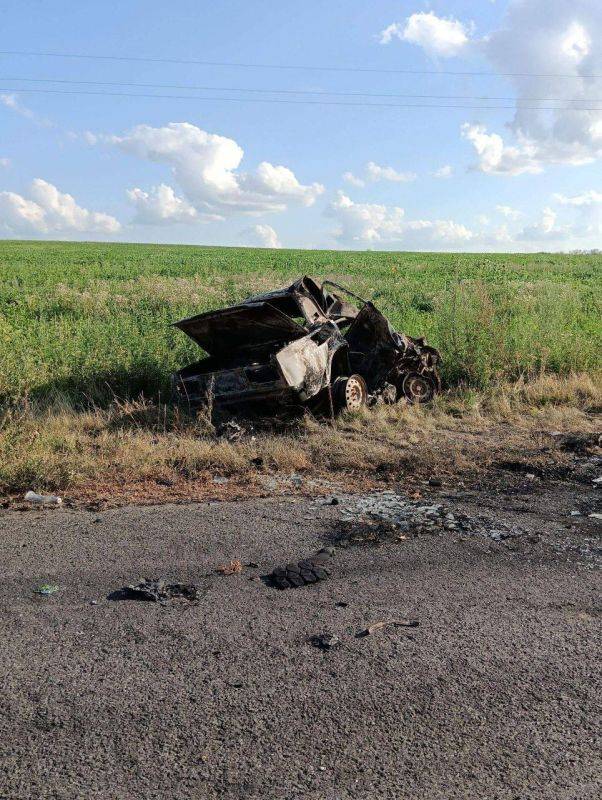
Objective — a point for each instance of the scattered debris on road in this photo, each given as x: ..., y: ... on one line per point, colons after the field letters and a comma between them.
x: 388, y: 515
x: 43, y: 499
x: 325, y: 641
x: 304, y: 572
x: 303, y: 346
x: 232, y: 568
x: 587, y: 550
x: 397, y: 623
x: 157, y: 590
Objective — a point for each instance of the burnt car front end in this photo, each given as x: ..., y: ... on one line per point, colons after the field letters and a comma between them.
x: 386, y: 358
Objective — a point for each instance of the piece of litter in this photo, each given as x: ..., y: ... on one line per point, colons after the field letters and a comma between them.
x: 43, y: 499
x: 398, y: 623
x: 595, y: 516
x: 530, y: 476
x: 575, y: 513
x: 232, y: 431
x: 47, y: 588
x: 325, y: 641
x: 230, y: 569
x: 220, y: 481
x: 157, y: 590
x: 597, y: 481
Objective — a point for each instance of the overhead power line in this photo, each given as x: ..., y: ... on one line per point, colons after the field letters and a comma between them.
x: 358, y: 103
x: 311, y: 67
x: 312, y: 92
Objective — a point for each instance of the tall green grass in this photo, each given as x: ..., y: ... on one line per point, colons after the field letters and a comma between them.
x: 88, y: 322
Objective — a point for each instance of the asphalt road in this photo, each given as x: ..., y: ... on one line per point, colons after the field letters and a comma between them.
x: 494, y: 695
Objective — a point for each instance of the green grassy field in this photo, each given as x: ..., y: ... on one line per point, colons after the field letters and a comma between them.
x: 92, y: 321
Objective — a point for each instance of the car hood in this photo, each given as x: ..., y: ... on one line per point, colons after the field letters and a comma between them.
x: 240, y: 327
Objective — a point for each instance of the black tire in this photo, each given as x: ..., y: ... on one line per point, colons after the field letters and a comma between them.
x: 304, y: 572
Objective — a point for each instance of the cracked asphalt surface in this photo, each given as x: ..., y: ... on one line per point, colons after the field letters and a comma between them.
x: 494, y: 695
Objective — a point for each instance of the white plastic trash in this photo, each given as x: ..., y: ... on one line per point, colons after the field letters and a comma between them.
x: 43, y: 499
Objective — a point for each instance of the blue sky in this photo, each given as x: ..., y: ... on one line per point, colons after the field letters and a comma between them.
x: 214, y: 171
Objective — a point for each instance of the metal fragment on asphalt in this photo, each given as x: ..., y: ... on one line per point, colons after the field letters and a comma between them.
x: 398, y: 623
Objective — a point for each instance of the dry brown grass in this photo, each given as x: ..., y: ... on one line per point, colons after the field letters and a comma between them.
x: 165, y: 454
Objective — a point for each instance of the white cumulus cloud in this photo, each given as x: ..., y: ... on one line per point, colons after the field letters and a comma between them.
x: 587, y: 208
x: 538, y: 41
x: 547, y: 50
x: 589, y: 198
x: 436, y: 35
x: 262, y: 236
x: 375, y: 172
x: 12, y: 102
x: 4, y: 162
x: 497, y: 158
x: 372, y: 173
x: 349, y: 177
x: 160, y: 206
x: 508, y: 212
x: 374, y: 224
x: 49, y: 211
x: 206, y: 168
x: 445, y: 171
x: 545, y: 230
x: 366, y: 222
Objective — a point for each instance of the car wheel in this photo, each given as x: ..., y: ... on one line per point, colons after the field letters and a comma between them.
x: 417, y: 388
x: 350, y: 393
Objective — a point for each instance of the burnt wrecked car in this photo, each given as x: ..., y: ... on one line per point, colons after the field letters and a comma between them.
x: 304, y: 345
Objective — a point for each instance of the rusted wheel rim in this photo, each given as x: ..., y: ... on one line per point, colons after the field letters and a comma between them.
x: 417, y: 389
x: 355, y: 393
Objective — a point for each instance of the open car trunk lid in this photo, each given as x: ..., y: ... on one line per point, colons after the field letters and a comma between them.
x: 240, y: 327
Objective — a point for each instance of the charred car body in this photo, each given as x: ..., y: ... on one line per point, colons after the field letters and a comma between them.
x: 304, y: 345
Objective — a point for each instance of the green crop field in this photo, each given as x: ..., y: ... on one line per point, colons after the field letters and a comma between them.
x: 91, y: 322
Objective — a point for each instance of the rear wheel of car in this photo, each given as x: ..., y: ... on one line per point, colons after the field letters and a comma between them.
x: 350, y: 393
x: 417, y: 388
